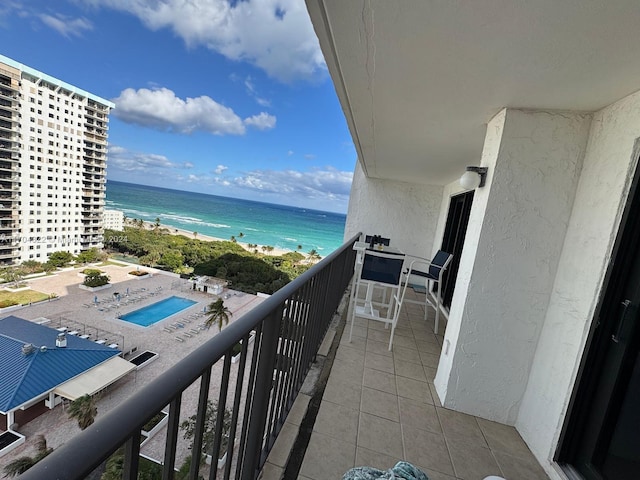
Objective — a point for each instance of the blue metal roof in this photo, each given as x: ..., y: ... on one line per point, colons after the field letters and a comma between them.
x: 24, y: 377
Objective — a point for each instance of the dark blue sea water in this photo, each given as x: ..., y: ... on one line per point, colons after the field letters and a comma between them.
x: 279, y: 226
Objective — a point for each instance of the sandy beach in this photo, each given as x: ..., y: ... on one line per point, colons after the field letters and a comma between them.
x: 178, y: 231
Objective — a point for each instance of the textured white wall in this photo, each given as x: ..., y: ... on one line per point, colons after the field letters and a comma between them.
x: 517, y: 225
x: 608, y: 168
x: 407, y: 213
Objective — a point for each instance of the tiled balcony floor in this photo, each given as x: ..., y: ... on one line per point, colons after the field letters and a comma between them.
x: 380, y: 407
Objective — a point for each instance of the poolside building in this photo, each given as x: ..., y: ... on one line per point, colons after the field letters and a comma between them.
x: 53, y: 153
x: 40, y: 366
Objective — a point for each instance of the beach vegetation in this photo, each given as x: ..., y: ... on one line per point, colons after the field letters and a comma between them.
x: 138, y: 273
x: 24, y: 463
x: 247, y: 271
x: 31, y: 266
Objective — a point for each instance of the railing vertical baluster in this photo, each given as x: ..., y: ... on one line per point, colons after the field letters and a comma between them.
x: 222, y: 407
x: 263, y: 385
x: 236, y: 405
x: 242, y: 448
x: 131, y: 457
x: 196, y: 452
x: 172, y: 438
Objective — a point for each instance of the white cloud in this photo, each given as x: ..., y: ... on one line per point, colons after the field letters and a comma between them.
x: 262, y: 121
x: 219, y: 170
x: 263, y: 102
x: 153, y: 164
x: 274, y: 35
x: 290, y: 152
x: 66, y: 26
x: 309, y: 156
x: 326, y: 183
x: 161, y: 109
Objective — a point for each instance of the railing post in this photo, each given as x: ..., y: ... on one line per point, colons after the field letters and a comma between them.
x: 262, y: 389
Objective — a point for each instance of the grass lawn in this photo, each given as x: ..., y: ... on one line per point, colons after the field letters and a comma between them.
x: 21, y: 298
x: 111, y: 262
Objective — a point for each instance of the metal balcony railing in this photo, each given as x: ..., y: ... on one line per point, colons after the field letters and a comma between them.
x: 289, y: 327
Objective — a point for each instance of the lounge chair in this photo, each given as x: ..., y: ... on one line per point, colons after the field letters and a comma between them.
x: 179, y: 339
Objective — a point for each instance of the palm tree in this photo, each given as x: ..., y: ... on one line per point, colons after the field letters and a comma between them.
x: 195, y: 235
x: 240, y: 235
x: 233, y: 239
x: 22, y: 464
x: 299, y: 247
x: 84, y: 410
x: 313, y: 255
x: 269, y: 248
x: 218, y: 313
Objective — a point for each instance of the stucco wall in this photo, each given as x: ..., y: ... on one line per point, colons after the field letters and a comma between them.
x: 608, y: 168
x: 515, y: 236
x: 407, y: 213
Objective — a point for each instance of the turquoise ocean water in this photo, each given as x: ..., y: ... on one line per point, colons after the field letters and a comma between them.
x: 262, y: 223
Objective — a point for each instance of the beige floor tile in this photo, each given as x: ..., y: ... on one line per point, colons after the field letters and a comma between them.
x: 403, y: 331
x: 472, y: 462
x: 350, y: 355
x: 279, y: 454
x: 369, y: 458
x: 327, y: 457
x: 409, y: 370
x: 379, y: 362
x: 504, y: 438
x: 427, y: 449
x: 434, y: 395
x: 347, y: 372
x: 406, y: 342
x: 381, y: 348
x: 426, y: 337
x: 337, y: 421
x: 359, y: 343
x: 379, y: 380
x: 429, y: 360
x: 520, y: 468
x: 419, y: 415
x: 414, y: 389
x: 376, y: 325
x: 380, y: 403
x: 380, y: 435
x: 429, y: 347
x: 299, y: 409
x: 407, y: 354
x: 271, y: 472
x: 433, y: 475
x: 430, y: 373
x: 379, y: 335
x: 347, y: 394
x: 359, y: 331
x: 460, y: 427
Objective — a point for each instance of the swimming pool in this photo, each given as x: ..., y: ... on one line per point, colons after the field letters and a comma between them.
x: 155, y: 312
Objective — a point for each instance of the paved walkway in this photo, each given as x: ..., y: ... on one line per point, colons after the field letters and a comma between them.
x: 76, y: 306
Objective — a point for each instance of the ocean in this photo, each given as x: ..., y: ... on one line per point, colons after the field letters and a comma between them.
x: 279, y: 226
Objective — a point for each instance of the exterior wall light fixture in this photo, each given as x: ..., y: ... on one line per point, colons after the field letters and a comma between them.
x: 473, y: 178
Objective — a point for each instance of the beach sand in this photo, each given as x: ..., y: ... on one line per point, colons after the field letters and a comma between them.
x: 199, y: 236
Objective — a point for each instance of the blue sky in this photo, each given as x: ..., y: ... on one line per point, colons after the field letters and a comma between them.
x: 231, y: 99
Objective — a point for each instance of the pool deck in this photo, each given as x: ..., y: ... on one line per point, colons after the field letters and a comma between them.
x: 76, y: 305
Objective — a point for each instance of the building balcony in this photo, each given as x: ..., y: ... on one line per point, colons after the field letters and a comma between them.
x: 371, y: 407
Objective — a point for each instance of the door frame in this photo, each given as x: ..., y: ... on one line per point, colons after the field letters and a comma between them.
x: 590, y: 367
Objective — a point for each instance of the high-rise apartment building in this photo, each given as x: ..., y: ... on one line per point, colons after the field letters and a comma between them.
x: 53, y: 159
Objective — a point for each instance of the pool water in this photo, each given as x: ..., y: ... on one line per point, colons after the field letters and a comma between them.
x: 155, y: 312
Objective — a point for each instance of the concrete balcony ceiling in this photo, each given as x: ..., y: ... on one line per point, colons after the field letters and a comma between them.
x: 419, y: 80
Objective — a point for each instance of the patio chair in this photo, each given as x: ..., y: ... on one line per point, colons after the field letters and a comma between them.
x: 422, y: 276
x: 380, y: 270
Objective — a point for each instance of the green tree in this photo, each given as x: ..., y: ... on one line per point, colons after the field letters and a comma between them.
x: 218, y: 313
x: 241, y: 235
x: 13, y: 275
x: 84, y: 410
x: 22, y: 464
x: 195, y: 235
x: 60, y: 259
x: 299, y: 247
x: 95, y: 278
x: 233, y: 239
x: 91, y: 255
